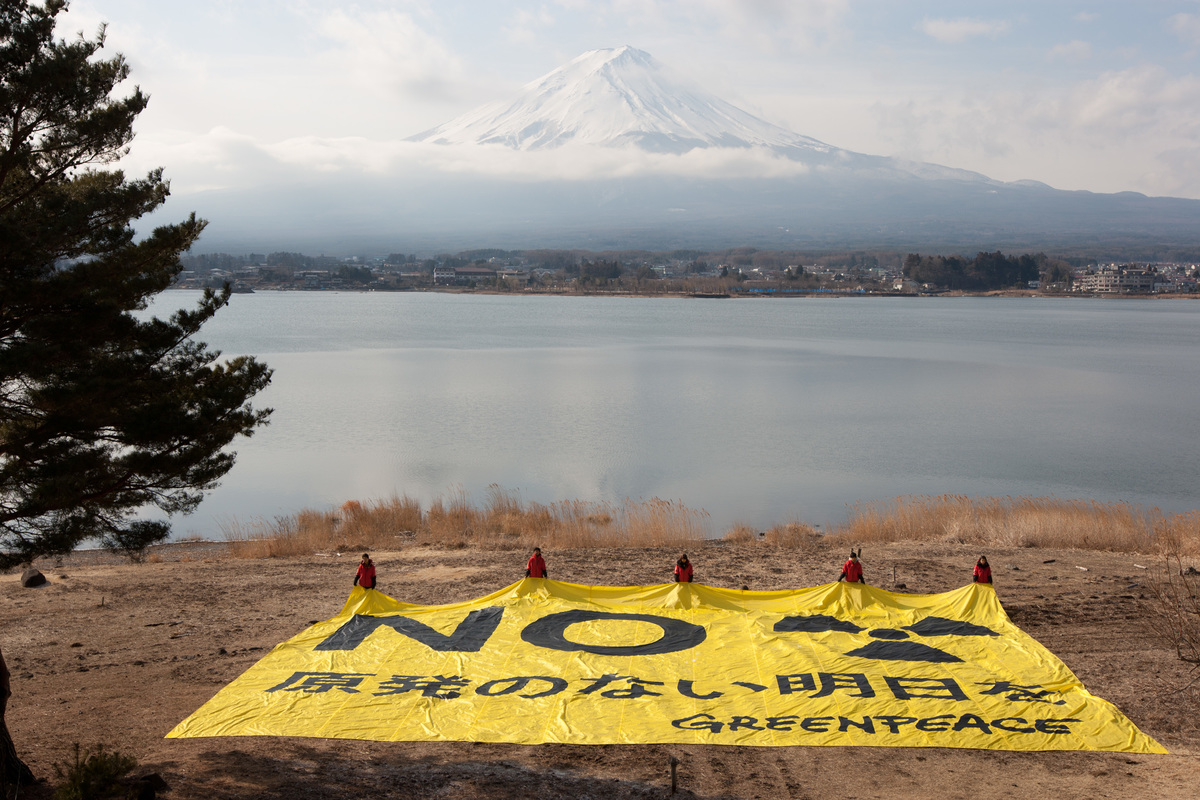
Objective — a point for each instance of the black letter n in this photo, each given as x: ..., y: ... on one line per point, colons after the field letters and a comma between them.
x: 470, y: 635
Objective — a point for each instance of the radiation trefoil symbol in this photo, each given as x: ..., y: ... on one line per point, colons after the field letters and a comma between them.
x: 891, y: 644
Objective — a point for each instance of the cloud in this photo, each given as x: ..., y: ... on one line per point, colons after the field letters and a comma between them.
x: 525, y: 24
x: 581, y: 162
x: 954, y: 31
x: 1137, y: 100
x: 1187, y: 28
x: 389, y: 48
x: 777, y: 23
x: 225, y: 159
x: 766, y: 25
x: 1136, y: 123
x: 1071, y: 51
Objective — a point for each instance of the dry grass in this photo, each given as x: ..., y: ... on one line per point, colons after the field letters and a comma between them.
x: 1024, y: 522
x: 740, y: 534
x: 502, y: 522
x: 793, y: 536
x: 376, y: 525
x: 506, y: 522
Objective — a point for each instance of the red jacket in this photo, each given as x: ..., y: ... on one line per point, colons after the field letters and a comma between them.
x: 365, y: 577
x: 983, y: 574
x: 852, y: 571
x: 683, y: 574
x: 536, y: 568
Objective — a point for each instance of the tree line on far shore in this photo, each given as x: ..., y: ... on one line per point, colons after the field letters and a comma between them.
x: 985, y: 272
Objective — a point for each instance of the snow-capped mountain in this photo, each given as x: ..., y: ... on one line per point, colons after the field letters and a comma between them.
x: 553, y: 171
x: 616, y: 96
x: 623, y: 97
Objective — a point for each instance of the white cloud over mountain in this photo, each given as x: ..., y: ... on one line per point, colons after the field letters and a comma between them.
x: 1098, y: 99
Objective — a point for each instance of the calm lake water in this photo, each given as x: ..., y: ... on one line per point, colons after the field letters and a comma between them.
x: 756, y: 410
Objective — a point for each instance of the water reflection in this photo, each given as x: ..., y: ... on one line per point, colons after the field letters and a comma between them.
x: 757, y: 411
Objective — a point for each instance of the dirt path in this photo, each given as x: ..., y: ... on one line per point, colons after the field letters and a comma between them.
x: 116, y: 653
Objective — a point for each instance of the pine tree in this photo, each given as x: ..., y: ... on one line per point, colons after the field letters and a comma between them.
x: 102, y: 411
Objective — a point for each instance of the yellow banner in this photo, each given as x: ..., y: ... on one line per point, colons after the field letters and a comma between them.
x: 546, y: 661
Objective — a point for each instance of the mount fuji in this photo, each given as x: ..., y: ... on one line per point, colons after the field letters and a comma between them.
x: 616, y: 97
x: 623, y: 97
x: 613, y: 151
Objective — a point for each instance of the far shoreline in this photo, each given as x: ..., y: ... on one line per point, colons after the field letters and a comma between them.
x: 737, y: 295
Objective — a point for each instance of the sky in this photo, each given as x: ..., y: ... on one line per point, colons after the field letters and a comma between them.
x: 1100, y: 96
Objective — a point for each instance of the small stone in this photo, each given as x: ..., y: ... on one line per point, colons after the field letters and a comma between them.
x: 32, y: 577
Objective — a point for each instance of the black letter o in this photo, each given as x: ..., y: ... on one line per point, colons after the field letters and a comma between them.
x: 550, y: 632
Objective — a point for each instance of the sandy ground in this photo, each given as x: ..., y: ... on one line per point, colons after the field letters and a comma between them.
x: 117, y: 653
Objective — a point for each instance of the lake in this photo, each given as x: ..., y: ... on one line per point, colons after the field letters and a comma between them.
x: 757, y: 410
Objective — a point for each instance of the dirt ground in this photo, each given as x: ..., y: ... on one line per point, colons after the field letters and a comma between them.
x: 117, y: 653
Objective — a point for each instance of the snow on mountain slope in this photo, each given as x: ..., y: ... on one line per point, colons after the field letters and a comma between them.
x: 615, y: 97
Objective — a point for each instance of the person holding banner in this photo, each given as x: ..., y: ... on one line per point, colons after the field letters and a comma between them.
x: 536, y: 568
x: 683, y: 570
x: 365, y: 577
x: 852, y: 571
x: 983, y: 571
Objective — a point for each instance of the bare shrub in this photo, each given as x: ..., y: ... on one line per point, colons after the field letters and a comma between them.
x: 1175, y: 606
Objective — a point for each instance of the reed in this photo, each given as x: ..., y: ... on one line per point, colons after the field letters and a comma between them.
x: 793, y: 536
x: 505, y: 521
x: 740, y: 533
x: 375, y: 525
x: 1047, y: 522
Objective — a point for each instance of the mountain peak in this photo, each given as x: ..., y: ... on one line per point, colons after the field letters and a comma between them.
x: 616, y: 97
x: 623, y: 57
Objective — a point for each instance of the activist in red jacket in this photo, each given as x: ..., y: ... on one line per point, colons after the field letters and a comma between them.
x: 365, y: 577
x: 852, y: 571
x: 683, y: 570
x: 536, y: 568
x: 983, y: 571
